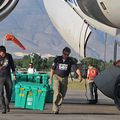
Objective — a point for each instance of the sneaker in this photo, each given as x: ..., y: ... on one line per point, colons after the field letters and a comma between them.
x: 56, y: 112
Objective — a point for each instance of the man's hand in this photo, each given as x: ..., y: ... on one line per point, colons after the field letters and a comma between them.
x: 50, y: 81
x: 14, y: 77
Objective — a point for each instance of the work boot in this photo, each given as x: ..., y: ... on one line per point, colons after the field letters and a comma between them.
x: 92, y: 102
x: 56, y: 112
x: 4, y: 111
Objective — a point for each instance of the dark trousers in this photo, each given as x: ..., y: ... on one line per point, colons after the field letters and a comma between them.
x: 93, y: 91
x: 5, y: 96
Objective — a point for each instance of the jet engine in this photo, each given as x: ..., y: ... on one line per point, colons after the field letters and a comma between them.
x: 6, y: 7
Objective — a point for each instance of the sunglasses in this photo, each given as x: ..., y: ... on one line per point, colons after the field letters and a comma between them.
x: 66, y: 54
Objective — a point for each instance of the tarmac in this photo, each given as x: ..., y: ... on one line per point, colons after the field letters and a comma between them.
x: 75, y: 107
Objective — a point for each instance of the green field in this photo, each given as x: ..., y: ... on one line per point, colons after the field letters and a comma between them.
x: 76, y: 85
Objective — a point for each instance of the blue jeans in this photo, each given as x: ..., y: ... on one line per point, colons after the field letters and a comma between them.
x: 93, y: 91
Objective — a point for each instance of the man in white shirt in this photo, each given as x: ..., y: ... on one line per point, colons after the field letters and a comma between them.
x: 31, y: 70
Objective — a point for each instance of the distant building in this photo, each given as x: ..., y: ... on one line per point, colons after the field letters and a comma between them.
x: 47, y: 56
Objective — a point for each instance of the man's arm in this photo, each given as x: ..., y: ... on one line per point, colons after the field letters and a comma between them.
x: 79, y: 74
x: 12, y: 65
x: 51, y: 75
x: 88, y: 72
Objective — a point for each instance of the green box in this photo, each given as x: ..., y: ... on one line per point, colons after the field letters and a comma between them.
x: 31, y: 77
x: 30, y: 95
x: 21, y: 77
x: 13, y: 92
x: 49, y: 96
x: 21, y: 95
x: 42, y: 79
x: 45, y: 79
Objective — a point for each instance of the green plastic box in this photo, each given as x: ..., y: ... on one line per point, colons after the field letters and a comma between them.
x: 13, y: 92
x: 21, y: 77
x: 49, y: 96
x: 31, y: 77
x: 42, y: 79
x: 30, y: 95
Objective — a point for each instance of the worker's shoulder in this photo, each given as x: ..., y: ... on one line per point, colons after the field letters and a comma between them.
x: 58, y: 58
x: 8, y: 55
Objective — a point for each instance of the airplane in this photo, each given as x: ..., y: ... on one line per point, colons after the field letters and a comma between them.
x: 75, y: 20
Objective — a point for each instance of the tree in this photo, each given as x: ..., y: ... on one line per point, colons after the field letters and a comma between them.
x: 39, y: 63
x: 99, y: 64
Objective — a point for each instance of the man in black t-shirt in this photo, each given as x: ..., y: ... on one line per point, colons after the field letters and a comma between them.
x: 6, y: 65
x: 59, y: 73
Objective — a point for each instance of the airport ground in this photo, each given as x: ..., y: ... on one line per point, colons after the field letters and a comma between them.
x: 75, y: 107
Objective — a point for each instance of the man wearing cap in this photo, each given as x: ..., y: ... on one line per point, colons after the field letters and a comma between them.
x: 6, y: 65
x: 31, y: 69
x: 59, y: 73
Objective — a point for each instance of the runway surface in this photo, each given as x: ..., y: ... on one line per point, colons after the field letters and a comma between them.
x: 75, y: 107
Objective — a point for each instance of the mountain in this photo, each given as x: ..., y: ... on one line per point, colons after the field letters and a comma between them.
x: 30, y: 23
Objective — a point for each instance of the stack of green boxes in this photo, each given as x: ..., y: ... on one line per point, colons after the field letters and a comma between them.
x: 19, y: 77
x: 30, y: 95
x: 32, y: 91
x: 44, y: 80
x: 38, y: 78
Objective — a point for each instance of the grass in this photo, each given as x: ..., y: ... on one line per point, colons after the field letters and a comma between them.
x: 76, y: 85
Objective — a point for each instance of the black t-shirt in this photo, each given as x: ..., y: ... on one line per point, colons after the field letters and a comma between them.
x: 62, y: 67
x: 6, y: 64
